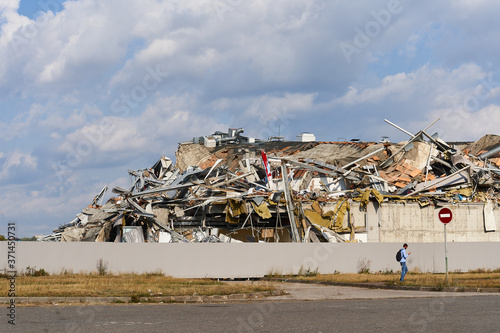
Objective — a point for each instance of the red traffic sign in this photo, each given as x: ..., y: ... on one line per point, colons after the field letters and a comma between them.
x: 445, y: 215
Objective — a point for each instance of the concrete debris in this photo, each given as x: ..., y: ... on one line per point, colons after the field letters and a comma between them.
x: 227, y: 188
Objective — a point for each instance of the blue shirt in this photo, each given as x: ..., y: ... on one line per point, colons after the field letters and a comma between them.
x: 403, y: 255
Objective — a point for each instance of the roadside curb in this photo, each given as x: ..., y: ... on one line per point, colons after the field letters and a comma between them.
x: 389, y: 286
x: 147, y: 299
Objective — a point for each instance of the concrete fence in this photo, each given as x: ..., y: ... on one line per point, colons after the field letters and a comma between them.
x: 226, y: 260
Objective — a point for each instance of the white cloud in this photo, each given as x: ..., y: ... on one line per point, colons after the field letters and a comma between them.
x: 292, y: 102
x: 438, y: 85
x: 16, y: 161
x: 46, y: 118
x: 268, y: 66
x: 10, y: 20
x: 55, y: 135
x: 462, y: 125
x: 410, y: 48
x: 43, y: 210
x: 461, y: 98
x: 110, y: 139
x: 159, y: 48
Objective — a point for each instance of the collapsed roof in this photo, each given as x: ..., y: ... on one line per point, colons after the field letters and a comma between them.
x: 228, y: 188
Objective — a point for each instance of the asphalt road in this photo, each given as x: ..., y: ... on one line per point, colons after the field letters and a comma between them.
x: 436, y: 314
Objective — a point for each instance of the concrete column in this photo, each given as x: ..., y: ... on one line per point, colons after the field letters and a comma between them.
x: 372, y: 222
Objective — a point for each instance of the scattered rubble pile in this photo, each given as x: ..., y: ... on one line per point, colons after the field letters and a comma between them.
x: 230, y: 188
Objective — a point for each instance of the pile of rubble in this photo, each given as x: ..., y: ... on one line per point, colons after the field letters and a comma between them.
x: 228, y: 188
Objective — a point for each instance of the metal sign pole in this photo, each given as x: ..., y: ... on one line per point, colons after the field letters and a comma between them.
x: 445, y: 215
x: 445, y: 253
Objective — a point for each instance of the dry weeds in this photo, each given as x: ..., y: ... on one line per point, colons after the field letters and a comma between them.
x: 94, y: 285
x: 477, y: 279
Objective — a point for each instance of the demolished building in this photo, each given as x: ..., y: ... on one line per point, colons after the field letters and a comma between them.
x: 226, y: 187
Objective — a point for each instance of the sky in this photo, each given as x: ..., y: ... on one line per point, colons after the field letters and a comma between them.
x: 90, y: 89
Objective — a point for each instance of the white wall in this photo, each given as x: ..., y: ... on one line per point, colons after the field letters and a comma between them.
x: 408, y: 222
x: 411, y: 223
x: 248, y: 259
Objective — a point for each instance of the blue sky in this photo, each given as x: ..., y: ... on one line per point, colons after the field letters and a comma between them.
x: 89, y: 89
x: 32, y: 8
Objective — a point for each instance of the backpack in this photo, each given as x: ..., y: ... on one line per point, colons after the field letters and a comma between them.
x: 398, y: 255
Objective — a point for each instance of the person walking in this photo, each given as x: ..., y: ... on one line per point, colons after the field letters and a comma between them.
x: 404, y: 255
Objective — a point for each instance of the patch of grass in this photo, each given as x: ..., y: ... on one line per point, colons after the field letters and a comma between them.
x: 32, y: 271
x: 152, y: 274
x: 102, y: 267
x: 364, y: 266
x: 274, y: 273
x: 387, y: 271
x: 481, y: 279
x: 483, y: 270
x: 135, y: 299
x: 416, y: 270
x: 440, y: 285
x: 109, y: 285
x: 312, y: 273
x: 307, y: 272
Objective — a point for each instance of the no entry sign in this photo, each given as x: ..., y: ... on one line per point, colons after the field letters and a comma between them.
x: 445, y: 215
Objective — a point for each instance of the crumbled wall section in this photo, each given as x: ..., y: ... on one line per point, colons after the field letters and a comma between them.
x: 191, y: 154
x: 417, y: 156
x: 339, y: 152
x: 410, y: 223
x: 484, y: 144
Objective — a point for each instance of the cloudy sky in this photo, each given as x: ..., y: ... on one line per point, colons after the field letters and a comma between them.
x: 92, y: 88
